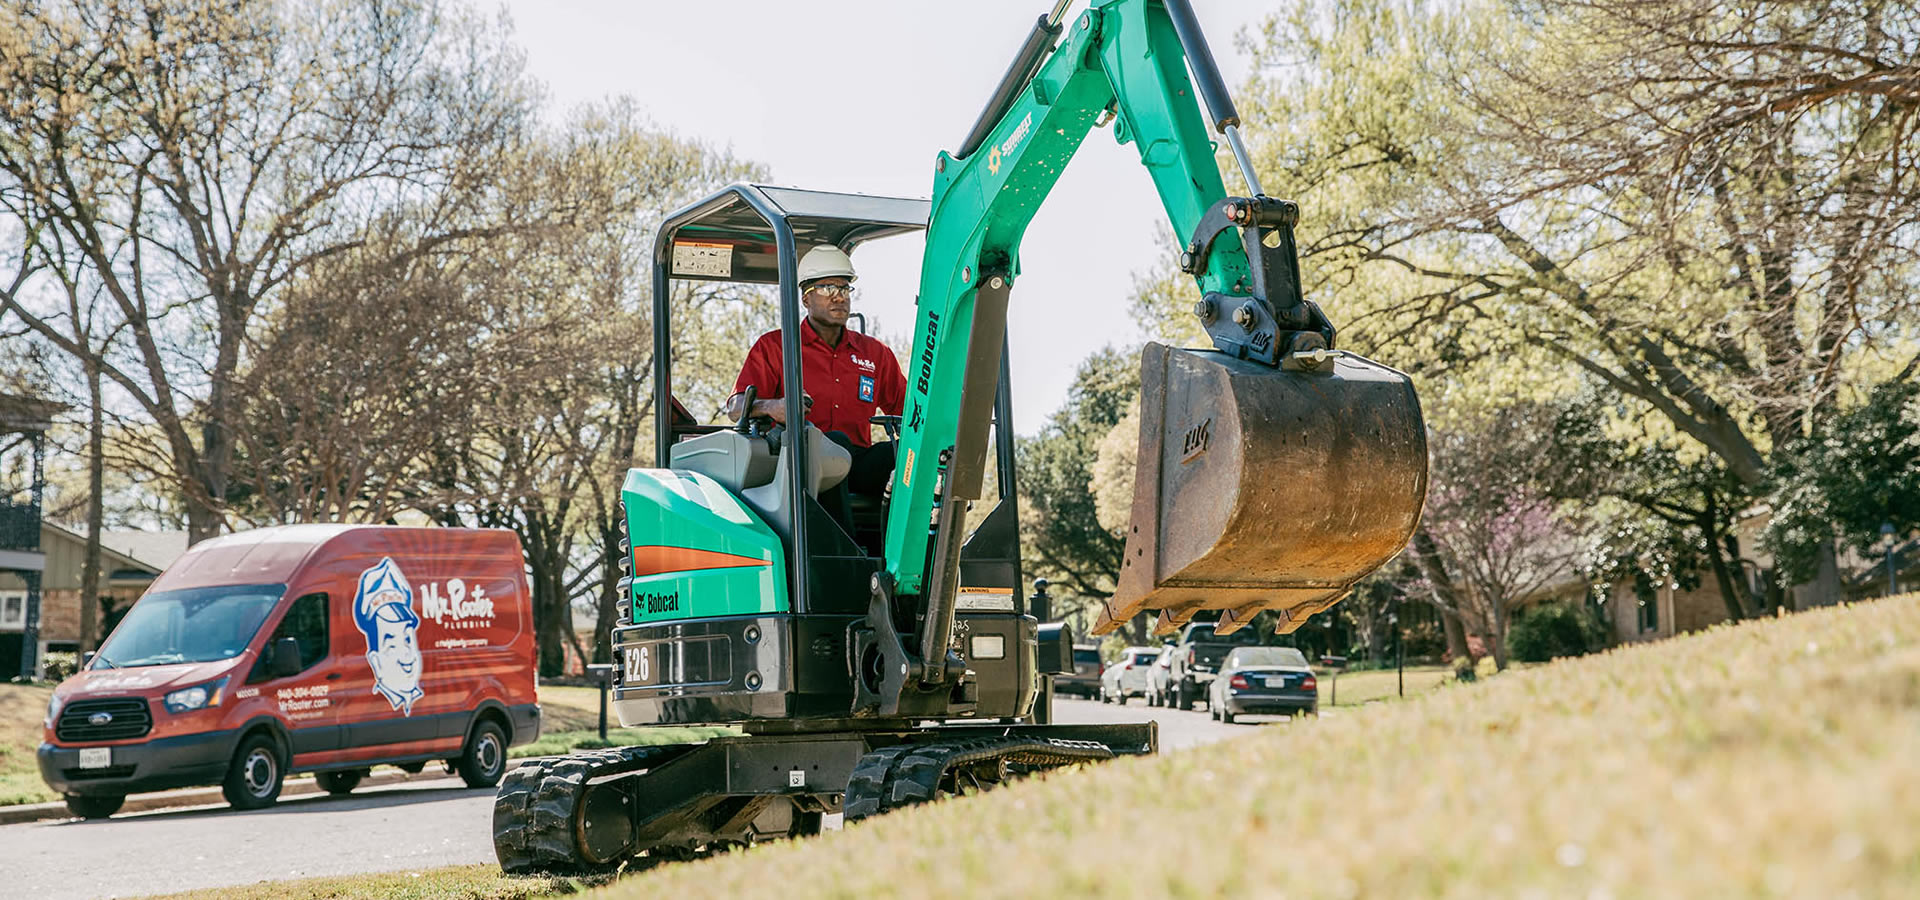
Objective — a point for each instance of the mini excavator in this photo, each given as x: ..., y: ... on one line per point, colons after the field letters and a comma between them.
x: 1274, y: 471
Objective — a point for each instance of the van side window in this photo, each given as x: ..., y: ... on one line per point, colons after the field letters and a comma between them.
x: 306, y: 622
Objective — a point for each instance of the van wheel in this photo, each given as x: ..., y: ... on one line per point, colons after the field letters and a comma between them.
x: 485, y: 758
x: 253, y: 781
x: 97, y: 806
x: 342, y: 782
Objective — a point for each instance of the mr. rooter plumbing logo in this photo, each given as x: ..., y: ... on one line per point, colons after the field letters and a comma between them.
x: 454, y: 605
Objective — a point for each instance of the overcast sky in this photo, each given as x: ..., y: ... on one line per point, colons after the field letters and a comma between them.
x: 859, y: 95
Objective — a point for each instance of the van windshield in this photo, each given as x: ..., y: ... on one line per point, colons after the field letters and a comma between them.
x: 191, y: 625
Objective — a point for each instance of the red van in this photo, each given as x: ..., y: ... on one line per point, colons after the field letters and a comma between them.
x: 305, y: 648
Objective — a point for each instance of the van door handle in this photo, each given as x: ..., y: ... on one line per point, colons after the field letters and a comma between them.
x: 333, y: 676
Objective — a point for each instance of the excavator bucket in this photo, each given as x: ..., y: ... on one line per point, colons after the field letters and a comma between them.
x: 1262, y: 488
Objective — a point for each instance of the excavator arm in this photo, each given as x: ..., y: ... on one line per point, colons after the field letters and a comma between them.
x: 1126, y: 62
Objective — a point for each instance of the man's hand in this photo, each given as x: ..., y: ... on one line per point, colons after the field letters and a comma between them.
x: 775, y: 409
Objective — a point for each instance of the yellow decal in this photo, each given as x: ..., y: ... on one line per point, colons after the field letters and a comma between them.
x: 906, y: 471
x: 1006, y: 147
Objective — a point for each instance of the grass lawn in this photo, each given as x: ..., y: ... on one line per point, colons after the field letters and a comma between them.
x: 1776, y: 757
x: 1771, y: 758
x: 572, y: 722
x: 23, y: 709
x: 1367, y: 686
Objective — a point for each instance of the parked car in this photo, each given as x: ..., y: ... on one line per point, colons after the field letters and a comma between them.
x: 1263, y: 680
x: 306, y: 648
x: 1128, y: 676
x: 1160, y: 679
x: 1197, y: 656
x: 1084, y: 680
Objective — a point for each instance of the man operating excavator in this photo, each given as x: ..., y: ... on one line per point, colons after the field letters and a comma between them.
x: 849, y: 376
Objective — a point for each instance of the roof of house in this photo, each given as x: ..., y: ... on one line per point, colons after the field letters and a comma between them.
x: 150, y: 550
x: 19, y: 413
x: 155, y: 548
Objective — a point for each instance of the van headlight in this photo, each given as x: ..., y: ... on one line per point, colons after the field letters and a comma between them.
x: 53, y: 709
x: 200, y: 696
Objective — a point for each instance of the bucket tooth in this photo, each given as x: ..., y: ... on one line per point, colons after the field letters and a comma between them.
x: 1262, y: 488
x: 1170, y: 621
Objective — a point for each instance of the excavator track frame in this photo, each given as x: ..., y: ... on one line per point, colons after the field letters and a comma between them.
x: 598, y: 811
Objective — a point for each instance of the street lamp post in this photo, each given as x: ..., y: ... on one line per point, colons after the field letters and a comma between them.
x: 1893, y: 580
x: 1399, y: 647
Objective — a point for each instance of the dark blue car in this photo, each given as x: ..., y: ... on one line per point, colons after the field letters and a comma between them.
x: 1263, y: 680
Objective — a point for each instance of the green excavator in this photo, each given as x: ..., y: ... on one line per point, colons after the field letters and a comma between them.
x: 1274, y: 471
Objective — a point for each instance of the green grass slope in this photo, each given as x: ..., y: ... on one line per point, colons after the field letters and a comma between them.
x: 1777, y: 757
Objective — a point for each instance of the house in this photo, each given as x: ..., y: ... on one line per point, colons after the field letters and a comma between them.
x: 23, y: 446
x: 129, y: 562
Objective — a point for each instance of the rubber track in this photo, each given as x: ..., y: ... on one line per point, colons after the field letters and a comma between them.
x: 533, y: 812
x: 909, y: 774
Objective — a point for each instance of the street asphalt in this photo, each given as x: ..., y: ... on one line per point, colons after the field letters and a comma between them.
x: 415, y: 825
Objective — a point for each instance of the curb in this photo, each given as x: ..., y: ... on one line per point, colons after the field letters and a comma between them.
x: 297, y: 786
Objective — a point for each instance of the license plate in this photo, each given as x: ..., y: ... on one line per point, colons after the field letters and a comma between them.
x: 96, y: 757
x: 1278, y: 682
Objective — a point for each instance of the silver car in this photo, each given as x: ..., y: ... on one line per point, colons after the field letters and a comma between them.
x: 1263, y: 680
x: 1127, y: 677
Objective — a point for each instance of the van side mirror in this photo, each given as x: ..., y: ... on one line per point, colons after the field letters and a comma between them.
x: 285, y: 658
x: 86, y: 659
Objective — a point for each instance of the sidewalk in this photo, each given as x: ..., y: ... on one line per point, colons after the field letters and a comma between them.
x: 297, y: 786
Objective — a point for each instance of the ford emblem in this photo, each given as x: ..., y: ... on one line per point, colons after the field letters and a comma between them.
x: 100, y: 718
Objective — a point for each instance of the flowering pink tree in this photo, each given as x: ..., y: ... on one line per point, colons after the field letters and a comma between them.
x: 1491, y: 538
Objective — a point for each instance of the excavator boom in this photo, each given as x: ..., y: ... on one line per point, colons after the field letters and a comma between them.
x: 1310, y: 466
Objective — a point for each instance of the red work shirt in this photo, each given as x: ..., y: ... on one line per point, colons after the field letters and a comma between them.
x: 848, y: 383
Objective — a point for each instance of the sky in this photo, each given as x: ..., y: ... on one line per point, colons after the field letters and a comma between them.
x: 859, y: 96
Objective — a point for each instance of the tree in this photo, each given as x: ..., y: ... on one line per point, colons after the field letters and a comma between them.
x: 1704, y: 208
x: 1491, y: 535
x: 1693, y: 501
x: 1062, y: 536
x: 1858, y: 472
x: 196, y: 158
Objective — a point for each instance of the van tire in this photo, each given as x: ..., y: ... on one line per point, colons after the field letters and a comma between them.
x: 94, y: 806
x: 484, y: 759
x: 341, y: 782
x: 254, y: 778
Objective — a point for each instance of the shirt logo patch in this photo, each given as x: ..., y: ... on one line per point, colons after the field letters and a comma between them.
x: 866, y: 389
x: 866, y: 364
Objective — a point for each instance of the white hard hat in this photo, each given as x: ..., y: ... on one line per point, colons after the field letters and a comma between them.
x: 825, y: 261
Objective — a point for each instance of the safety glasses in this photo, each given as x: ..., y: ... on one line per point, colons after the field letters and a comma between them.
x: 831, y: 291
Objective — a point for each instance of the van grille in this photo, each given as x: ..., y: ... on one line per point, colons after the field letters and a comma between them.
x: 130, y: 719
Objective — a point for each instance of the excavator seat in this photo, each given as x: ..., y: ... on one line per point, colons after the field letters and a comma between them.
x: 1265, y: 488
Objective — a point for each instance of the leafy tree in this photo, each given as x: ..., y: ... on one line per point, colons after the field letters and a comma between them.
x: 1705, y: 208
x: 186, y: 161
x: 1860, y: 471
x: 1672, y: 512
x: 1062, y: 534
x: 1495, y: 536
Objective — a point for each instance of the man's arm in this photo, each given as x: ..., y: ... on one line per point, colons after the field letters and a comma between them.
x: 892, y: 396
x: 762, y: 372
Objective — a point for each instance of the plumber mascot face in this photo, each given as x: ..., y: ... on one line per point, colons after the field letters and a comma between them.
x: 383, y: 608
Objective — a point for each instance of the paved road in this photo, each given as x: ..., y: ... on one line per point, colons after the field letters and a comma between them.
x: 419, y: 824
x: 414, y: 825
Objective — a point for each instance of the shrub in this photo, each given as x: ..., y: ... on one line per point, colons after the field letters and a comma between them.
x: 1552, y: 630
x: 60, y: 666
